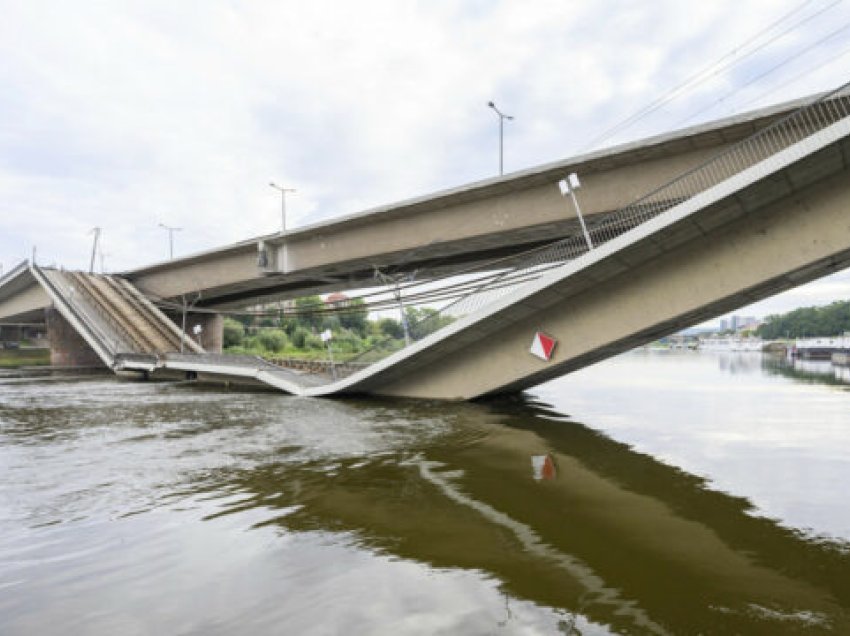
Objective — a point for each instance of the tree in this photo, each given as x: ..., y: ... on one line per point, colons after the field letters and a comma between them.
x: 355, y: 316
x: 391, y: 328
x: 299, y: 337
x: 805, y: 322
x: 273, y: 340
x: 234, y: 332
x: 422, y: 321
x: 308, y: 310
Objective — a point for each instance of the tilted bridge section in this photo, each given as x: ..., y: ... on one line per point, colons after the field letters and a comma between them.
x: 765, y: 215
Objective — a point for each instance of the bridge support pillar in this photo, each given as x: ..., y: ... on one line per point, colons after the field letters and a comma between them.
x: 67, y: 347
x: 211, y: 337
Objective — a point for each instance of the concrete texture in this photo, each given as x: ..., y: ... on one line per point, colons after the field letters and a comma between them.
x: 67, y: 347
x: 758, y: 253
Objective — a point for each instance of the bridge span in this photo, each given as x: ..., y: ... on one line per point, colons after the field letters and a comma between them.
x: 760, y: 216
x: 447, y: 231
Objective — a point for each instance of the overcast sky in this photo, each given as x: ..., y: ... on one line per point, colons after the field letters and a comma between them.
x: 124, y: 115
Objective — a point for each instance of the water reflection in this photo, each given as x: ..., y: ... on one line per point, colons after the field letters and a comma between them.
x: 818, y: 371
x: 737, y: 362
x: 128, y: 506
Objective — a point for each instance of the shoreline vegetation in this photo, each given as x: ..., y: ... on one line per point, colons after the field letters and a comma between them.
x: 808, y: 322
x: 26, y: 357
x: 357, y: 337
x: 354, y: 334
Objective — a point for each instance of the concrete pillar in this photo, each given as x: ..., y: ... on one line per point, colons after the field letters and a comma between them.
x: 212, y: 331
x: 67, y: 347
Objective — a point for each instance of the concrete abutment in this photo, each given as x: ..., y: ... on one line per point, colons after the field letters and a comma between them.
x: 67, y: 347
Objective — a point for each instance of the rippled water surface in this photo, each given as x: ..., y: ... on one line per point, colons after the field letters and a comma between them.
x: 692, y: 493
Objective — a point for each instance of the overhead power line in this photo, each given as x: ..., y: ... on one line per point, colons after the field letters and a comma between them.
x: 725, y: 62
x: 796, y: 55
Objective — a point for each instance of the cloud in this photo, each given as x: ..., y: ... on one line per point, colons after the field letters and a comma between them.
x: 124, y: 115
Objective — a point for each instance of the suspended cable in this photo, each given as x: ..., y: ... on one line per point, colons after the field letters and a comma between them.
x: 776, y: 67
x: 821, y: 64
x: 710, y: 71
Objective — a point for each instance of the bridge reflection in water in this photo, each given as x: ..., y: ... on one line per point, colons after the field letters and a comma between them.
x: 616, y: 540
x: 617, y: 537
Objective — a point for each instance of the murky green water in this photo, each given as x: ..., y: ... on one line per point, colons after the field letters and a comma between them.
x: 692, y: 494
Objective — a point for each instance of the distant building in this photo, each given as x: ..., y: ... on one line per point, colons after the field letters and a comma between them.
x: 337, y: 299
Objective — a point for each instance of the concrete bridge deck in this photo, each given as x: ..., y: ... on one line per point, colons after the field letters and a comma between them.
x: 765, y: 215
x: 445, y: 231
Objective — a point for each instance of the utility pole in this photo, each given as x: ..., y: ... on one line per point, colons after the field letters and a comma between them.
x: 171, y: 231
x: 395, y: 283
x: 96, y: 232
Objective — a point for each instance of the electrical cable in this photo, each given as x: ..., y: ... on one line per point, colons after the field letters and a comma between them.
x: 710, y: 71
x: 819, y: 65
x: 753, y: 80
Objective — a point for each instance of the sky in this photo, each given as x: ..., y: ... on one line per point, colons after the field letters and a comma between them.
x: 125, y: 115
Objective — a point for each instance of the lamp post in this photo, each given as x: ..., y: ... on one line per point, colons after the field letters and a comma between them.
x: 502, y: 118
x: 569, y: 186
x: 171, y: 231
x: 96, y: 232
x: 283, y: 192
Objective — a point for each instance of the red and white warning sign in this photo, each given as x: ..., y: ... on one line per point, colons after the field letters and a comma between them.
x: 543, y: 346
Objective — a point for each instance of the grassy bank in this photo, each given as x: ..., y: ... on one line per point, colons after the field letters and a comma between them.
x: 11, y: 358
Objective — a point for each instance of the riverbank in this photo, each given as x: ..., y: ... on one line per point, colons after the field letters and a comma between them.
x: 15, y: 358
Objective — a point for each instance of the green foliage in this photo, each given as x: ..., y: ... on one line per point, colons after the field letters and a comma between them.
x: 354, y: 335
x: 348, y: 341
x: 234, y: 332
x: 391, y: 328
x: 355, y: 318
x: 423, y: 321
x: 309, y: 308
x: 330, y: 322
x: 806, y: 322
x: 23, y: 357
x: 299, y: 337
x: 313, y: 342
x: 273, y: 340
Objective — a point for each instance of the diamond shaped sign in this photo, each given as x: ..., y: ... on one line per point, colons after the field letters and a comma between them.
x: 543, y: 346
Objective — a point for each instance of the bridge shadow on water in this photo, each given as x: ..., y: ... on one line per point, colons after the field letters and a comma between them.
x: 615, y: 536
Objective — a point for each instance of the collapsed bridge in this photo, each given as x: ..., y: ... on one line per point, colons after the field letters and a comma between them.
x: 726, y: 214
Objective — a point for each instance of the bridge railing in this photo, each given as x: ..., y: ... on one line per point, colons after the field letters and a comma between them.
x: 503, y: 276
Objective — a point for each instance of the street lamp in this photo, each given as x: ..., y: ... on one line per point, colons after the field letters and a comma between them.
x: 171, y: 231
x: 569, y: 186
x: 502, y: 118
x: 283, y: 192
x: 96, y: 232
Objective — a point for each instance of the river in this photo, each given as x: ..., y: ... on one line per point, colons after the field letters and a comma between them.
x: 684, y: 493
